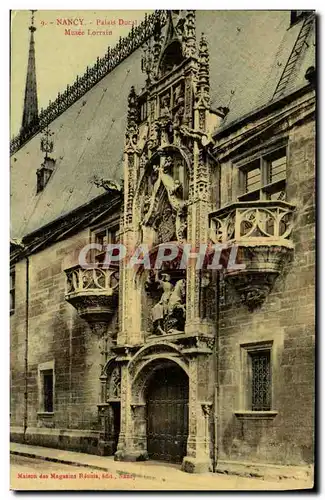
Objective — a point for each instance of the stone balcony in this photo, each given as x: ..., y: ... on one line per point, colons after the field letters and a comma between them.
x: 261, y: 230
x: 92, y: 292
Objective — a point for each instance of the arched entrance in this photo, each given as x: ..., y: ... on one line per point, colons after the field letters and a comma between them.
x: 167, y: 413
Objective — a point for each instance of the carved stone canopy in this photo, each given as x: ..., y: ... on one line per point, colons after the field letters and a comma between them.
x: 171, y: 46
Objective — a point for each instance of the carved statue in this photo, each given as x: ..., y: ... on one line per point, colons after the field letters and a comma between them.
x: 178, y: 105
x: 153, y: 140
x: 169, y: 313
x: 160, y: 310
x: 179, y: 115
x: 177, y: 297
x: 154, y: 173
x: 168, y: 165
x: 178, y: 95
x: 177, y: 189
x: 107, y: 184
x: 165, y: 103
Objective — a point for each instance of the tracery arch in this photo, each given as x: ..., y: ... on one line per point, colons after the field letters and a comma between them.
x: 171, y: 57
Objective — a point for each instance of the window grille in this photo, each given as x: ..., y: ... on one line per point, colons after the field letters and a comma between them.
x: 48, y: 390
x: 261, y: 381
x: 143, y: 110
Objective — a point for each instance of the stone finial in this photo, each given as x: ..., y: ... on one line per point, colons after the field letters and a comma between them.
x: 189, y: 34
x: 132, y: 107
x: 203, y: 72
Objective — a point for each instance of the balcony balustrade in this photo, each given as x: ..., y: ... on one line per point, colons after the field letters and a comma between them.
x: 93, y: 292
x: 261, y: 230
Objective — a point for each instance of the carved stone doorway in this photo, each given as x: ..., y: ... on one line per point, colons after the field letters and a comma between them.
x: 167, y: 414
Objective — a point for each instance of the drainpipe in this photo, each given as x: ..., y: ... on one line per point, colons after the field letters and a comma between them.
x: 26, y: 348
x: 216, y: 389
x: 216, y: 346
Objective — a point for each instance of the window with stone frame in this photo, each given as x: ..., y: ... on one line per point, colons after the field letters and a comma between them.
x: 46, y: 387
x: 12, y: 290
x: 48, y: 390
x: 104, y: 235
x: 257, y: 376
x: 264, y: 176
x: 143, y: 107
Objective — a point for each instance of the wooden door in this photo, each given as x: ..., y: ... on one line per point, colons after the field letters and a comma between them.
x: 116, y: 423
x: 167, y: 414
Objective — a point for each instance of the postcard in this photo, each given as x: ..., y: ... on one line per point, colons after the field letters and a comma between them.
x: 162, y: 251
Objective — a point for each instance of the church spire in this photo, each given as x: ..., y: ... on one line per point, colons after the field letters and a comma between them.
x: 30, y: 113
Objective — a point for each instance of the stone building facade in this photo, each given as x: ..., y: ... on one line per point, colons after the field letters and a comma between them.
x: 210, y: 368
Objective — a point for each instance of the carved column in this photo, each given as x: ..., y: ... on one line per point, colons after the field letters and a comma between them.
x: 124, y: 446
x: 198, y: 228
x: 140, y: 430
x: 129, y: 322
x: 132, y: 438
x: 106, y: 442
x: 200, y: 196
x: 106, y: 418
x: 197, y: 459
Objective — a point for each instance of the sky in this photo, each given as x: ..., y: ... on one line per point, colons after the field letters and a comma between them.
x: 59, y: 57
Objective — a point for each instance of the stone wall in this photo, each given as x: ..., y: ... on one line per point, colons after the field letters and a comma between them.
x: 55, y: 333
x: 286, y: 319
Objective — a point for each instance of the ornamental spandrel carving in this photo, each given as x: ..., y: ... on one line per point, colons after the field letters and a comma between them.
x: 164, y: 204
x: 164, y: 225
x: 178, y: 20
x: 204, y: 342
x: 114, y: 384
x: 206, y: 408
x: 169, y: 312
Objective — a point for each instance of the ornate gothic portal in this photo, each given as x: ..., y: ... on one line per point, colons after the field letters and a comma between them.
x: 165, y: 343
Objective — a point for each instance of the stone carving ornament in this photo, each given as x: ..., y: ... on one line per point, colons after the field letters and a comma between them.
x: 164, y: 208
x: 114, y: 389
x: 168, y: 314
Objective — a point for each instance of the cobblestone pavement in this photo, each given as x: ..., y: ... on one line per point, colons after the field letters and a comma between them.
x: 32, y: 474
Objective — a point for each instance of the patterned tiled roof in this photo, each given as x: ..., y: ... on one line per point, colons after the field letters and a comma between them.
x: 248, y: 52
